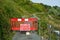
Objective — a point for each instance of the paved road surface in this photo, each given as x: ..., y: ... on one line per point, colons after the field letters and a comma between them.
x: 20, y: 36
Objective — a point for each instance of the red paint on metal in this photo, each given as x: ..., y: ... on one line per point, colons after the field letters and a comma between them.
x: 32, y: 19
x: 15, y: 28
x: 24, y: 27
x: 14, y: 19
x: 33, y: 28
x: 22, y: 19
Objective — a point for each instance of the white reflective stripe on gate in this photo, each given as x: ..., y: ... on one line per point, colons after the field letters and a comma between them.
x: 19, y: 19
x: 26, y: 19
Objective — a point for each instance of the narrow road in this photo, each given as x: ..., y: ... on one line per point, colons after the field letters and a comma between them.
x: 20, y: 36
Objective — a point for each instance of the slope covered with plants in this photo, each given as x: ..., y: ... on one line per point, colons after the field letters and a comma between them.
x: 26, y: 8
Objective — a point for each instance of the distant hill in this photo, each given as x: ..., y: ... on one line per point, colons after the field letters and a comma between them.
x: 26, y: 8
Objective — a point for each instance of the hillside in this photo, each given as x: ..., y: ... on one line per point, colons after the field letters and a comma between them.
x: 26, y: 8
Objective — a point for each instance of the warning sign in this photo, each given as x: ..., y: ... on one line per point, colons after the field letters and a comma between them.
x: 24, y: 27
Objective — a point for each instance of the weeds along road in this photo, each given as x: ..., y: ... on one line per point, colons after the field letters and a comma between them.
x: 21, y: 36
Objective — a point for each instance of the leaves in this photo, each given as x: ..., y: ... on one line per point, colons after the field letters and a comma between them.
x: 19, y: 8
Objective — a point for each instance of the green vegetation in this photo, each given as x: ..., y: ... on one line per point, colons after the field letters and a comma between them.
x: 18, y: 8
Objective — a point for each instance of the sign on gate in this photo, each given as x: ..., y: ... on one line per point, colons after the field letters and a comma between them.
x: 24, y: 27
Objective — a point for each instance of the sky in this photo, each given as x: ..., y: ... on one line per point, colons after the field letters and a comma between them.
x: 48, y: 2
